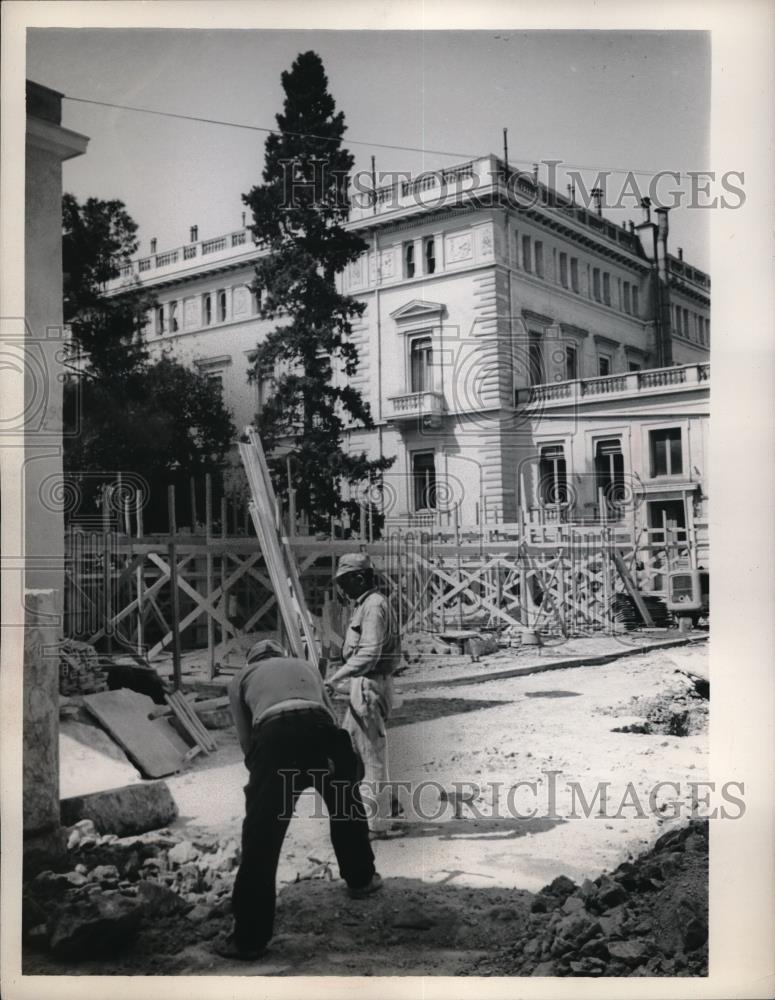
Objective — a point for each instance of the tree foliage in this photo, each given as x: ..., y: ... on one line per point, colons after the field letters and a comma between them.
x: 125, y: 411
x: 298, y: 217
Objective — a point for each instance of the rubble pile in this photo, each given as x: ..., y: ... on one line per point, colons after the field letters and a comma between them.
x: 80, y: 671
x: 119, y: 888
x: 647, y: 918
x: 681, y: 710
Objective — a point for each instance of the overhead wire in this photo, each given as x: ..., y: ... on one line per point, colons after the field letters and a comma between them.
x: 355, y: 142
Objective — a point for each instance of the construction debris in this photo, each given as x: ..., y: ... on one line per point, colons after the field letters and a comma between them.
x: 648, y: 918
x: 80, y: 671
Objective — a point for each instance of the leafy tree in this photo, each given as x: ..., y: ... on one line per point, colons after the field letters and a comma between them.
x: 127, y: 412
x: 298, y: 216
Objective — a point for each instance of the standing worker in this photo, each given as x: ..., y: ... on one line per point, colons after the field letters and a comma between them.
x: 288, y: 733
x: 370, y: 655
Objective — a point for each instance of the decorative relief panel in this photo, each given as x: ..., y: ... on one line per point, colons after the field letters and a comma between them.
x: 485, y: 243
x: 241, y: 301
x: 458, y: 247
x: 388, y: 264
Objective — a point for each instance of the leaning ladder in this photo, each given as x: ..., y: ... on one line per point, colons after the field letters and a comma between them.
x: 277, y: 552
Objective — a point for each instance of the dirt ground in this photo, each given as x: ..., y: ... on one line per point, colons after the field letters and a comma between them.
x: 460, y: 885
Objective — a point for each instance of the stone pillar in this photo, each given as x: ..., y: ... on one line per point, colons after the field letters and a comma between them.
x: 43, y: 838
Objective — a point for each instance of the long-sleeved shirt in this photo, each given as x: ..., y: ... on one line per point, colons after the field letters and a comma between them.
x: 273, y: 685
x: 371, y: 647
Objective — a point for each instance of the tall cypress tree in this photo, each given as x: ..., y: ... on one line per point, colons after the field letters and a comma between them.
x: 298, y: 216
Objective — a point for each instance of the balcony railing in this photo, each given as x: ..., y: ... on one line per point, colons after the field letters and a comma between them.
x: 223, y: 245
x: 624, y: 384
x: 415, y: 405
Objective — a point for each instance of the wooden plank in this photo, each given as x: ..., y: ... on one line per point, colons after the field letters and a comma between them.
x: 183, y: 719
x: 124, y: 714
x: 633, y: 591
x: 197, y: 725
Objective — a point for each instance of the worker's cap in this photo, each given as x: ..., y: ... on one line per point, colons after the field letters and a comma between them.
x: 264, y: 648
x: 353, y: 562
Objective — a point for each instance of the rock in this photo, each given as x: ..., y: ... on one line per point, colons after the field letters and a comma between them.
x: 106, y: 875
x: 199, y: 913
x: 610, y: 893
x: 100, y: 925
x: 577, y: 928
x: 695, y: 933
x: 182, y: 853
x: 544, y: 969
x: 631, y: 952
x: 48, y: 885
x: 158, y: 900
x: 76, y: 879
x: 572, y: 905
x: 561, y: 886
x: 539, y: 905
x: 595, y: 948
x: 612, y: 923
x: 126, y: 810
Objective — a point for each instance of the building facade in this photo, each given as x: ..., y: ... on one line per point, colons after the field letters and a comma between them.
x: 510, y: 339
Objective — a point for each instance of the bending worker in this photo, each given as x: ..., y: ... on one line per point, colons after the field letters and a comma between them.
x: 288, y: 733
x: 370, y: 655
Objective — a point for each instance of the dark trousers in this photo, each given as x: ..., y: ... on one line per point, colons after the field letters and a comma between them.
x: 287, y: 755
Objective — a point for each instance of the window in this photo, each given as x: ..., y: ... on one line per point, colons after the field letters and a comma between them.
x: 424, y: 480
x: 571, y: 362
x: 574, y: 274
x: 408, y: 260
x: 603, y: 364
x: 626, y: 301
x: 160, y: 328
x: 207, y: 309
x: 553, y: 482
x: 633, y: 366
x: 609, y: 475
x: 607, y: 288
x: 526, y: 254
x: 216, y: 379
x: 635, y: 304
x: 596, y: 284
x: 221, y: 306
x: 430, y: 255
x: 516, y: 248
x: 564, y: 270
x: 421, y: 365
x: 536, y: 360
x: 665, y: 447
x: 539, y: 259
x: 154, y: 244
x: 686, y: 323
x: 173, y: 313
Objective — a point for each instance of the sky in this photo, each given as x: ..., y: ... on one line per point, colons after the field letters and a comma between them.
x: 597, y: 99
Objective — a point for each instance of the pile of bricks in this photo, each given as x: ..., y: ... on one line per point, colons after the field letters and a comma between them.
x: 80, y: 671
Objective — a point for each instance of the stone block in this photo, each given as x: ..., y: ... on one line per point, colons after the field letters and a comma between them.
x: 123, y: 811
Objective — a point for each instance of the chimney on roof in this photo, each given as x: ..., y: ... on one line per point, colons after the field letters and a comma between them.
x: 154, y: 242
x: 645, y: 204
x: 572, y: 192
x: 243, y: 220
x: 680, y: 253
x: 597, y: 198
x: 193, y: 235
x: 631, y: 226
x: 535, y: 173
